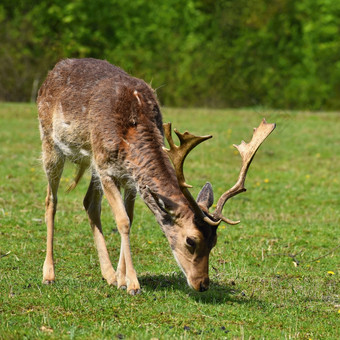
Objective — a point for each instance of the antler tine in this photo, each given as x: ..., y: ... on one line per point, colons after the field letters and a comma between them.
x: 177, y: 155
x: 247, y: 152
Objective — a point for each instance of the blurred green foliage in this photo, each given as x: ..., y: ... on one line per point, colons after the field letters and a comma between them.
x: 274, y: 53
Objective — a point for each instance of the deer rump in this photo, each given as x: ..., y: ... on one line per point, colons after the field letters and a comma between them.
x: 99, y: 117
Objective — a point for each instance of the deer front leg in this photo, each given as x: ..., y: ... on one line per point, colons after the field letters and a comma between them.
x: 129, y: 202
x: 92, y: 204
x: 126, y: 273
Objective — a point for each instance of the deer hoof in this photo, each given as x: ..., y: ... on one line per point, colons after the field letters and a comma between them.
x: 134, y: 291
x: 48, y: 282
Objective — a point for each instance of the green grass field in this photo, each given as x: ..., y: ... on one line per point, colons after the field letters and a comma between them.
x: 274, y: 276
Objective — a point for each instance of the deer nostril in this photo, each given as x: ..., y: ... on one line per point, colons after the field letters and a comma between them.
x: 204, y: 285
x: 203, y: 288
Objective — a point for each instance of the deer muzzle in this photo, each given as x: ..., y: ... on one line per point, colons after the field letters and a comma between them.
x: 200, y: 285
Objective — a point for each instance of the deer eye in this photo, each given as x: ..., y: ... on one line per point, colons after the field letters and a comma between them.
x: 191, y: 242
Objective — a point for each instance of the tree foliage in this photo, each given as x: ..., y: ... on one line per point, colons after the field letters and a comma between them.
x: 280, y: 53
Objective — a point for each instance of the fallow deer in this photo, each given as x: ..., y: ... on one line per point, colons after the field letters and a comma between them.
x: 99, y: 117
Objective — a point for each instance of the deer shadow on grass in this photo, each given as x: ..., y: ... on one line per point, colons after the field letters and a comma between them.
x: 216, y: 294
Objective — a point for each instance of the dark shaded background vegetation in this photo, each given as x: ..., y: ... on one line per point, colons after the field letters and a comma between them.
x: 236, y: 53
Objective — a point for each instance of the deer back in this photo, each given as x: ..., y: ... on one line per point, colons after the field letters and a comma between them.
x: 90, y: 108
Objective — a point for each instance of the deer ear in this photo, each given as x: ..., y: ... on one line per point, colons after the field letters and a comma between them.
x: 205, y: 198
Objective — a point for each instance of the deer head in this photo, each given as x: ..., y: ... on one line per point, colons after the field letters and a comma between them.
x: 192, y: 239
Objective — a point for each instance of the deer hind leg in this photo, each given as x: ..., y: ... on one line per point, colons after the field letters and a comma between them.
x: 92, y: 204
x: 126, y: 274
x: 53, y: 162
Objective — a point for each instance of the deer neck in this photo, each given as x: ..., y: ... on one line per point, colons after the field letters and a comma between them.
x: 154, y: 176
x: 162, y: 189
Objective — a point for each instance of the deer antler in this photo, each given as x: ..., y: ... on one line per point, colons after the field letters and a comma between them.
x: 188, y: 141
x: 247, y: 152
x: 177, y: 155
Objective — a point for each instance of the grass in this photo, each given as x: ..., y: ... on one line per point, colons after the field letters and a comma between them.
x: 274, y: 276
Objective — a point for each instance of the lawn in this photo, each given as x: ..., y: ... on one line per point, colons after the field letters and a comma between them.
x: 274, y: 276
